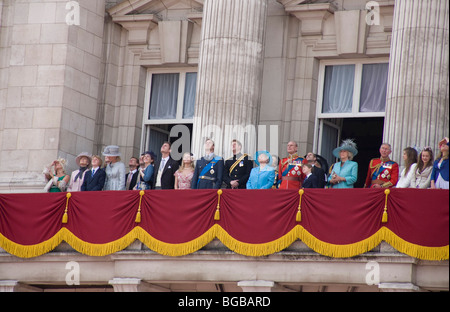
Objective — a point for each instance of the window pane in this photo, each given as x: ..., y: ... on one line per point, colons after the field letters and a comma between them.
x: 338, y: 89
x: 189, y: 95
x: 329, y: 143
x: 374, y: 87
x: 164, y: 96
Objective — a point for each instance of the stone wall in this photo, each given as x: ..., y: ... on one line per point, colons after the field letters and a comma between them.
x: 50, y: 74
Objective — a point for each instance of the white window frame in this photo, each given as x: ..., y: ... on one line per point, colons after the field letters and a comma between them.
x: 180, y: 101
x: 355, y: 113
x: 147, y: 123
x: 356, y: 87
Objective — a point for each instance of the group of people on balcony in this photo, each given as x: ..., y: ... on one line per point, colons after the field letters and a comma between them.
x: 211, y: 171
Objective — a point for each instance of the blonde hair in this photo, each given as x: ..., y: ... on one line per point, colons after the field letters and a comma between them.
x: 63, y: 163
x: 182, y: 167
x: 99, y: 158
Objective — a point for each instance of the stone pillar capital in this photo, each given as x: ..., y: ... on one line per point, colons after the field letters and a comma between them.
x: 312, y: 16
x: 138, y: 26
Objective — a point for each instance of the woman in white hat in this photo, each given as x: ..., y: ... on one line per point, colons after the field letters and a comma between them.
x: 115, y: 169
x: 345, y: 172
x: 83, y: 161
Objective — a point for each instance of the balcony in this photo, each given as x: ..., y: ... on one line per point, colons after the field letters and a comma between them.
x: 366, y: 241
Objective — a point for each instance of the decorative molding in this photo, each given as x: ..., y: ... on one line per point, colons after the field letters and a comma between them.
x: 312, y: 16
x: 351, y: 32
x: 138, y: 26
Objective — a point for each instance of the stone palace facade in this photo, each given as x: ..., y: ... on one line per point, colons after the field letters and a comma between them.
x: 76, y: 76
x: 79, y: 75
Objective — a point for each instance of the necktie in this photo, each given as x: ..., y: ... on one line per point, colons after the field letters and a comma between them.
x: 163, y: 163
x: 93, y: 172
x: 130, y: 175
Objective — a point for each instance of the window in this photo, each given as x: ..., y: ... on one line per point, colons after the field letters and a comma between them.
x: 338, y: 89
x: 169, y: 101
x: 348, y: 89
x: 170, y: 97
x: 374, y: 87
x: 164, y: 96
x: 352, y: 88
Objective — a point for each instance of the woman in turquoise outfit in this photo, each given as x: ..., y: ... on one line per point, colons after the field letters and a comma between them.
x: 345, y: 172
x: 263, y: 176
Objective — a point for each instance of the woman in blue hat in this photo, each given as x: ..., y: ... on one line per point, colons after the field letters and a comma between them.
x: 345, y: 172
x: 263, y: 176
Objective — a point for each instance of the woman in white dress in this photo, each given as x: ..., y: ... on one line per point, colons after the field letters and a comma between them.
x: 115, y: 169
x: 410, y: 160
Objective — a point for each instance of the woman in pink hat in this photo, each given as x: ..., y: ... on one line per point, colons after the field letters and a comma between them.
x: 83, y: 160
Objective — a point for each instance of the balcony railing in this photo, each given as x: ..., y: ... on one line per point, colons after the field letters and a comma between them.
x: 334, y: 223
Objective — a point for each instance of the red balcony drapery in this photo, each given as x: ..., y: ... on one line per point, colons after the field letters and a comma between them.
x: 335, y: 223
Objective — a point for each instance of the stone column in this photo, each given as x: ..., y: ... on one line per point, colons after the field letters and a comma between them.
x: 230, y: 73
x: 417, y: 106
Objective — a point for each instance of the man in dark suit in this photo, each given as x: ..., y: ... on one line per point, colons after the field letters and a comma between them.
x: 131, y: 177
x: 237, y: 169
x: 94, y: 179
x: 311, y: 180
x: 165, y: 169
x: 208, y: 171
x: 316, y: 170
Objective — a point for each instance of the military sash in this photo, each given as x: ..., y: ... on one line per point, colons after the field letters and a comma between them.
x: 380, y: 167
x: 237, y: 162
x: 208, y: 167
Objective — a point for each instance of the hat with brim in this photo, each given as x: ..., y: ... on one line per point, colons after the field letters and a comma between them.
x: 263, y: 152
x: 81, y: 155
x: 443, y: 142
x: 111, y: 150
x: 323, y: 162
x: 347, y: 145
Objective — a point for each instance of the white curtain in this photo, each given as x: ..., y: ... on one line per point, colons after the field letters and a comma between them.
x: 156, y: 140
x: 164, y: 96
x: 189, y: 95
x: 329, y: 143
x: 373, y: 87
x: 338, y: 89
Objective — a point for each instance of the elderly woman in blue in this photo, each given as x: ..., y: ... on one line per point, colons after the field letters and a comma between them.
x: 263, y: 176
x: 345, y: 172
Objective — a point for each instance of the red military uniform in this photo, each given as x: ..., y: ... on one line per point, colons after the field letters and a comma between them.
x: 383, y: 172
x: 290, y: 175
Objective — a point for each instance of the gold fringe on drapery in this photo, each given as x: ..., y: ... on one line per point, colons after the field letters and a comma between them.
x: 216, y: 231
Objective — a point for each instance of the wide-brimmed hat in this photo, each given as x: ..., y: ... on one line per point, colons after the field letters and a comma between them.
x: 346, y: 145
x: 83, y: 154
x: 111, y: 150
x: 263, y: 152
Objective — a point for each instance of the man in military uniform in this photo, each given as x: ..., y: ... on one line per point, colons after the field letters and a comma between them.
x: 290, y: 175
x: 237, y: 168
x: 382, y: 172
x: 208, y: 171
